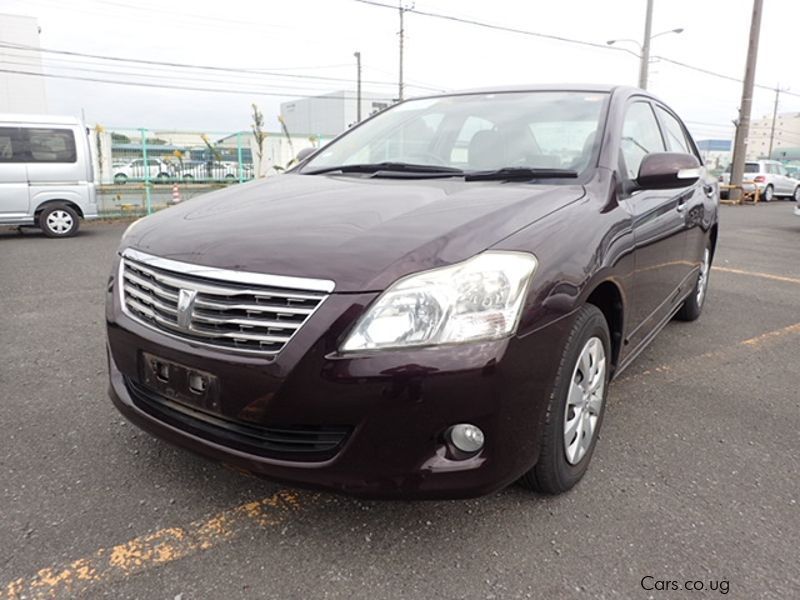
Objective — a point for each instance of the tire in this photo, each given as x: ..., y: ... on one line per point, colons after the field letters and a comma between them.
x: 162, y: 178
x: 120, y: 178
x: 188, y: 178
x: 58, y: 221
x: 561, y: 464
x: 230, y: 178
x: 796, y: 195
x: 769, y: 193
x: 693, y: 305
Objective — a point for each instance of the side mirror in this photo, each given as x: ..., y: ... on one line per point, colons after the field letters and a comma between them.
x: 668, y: 170
x: 305, y: 153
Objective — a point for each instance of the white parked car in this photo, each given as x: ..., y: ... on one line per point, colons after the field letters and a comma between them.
x: 769, y: 176
x: 156, y: 169
x: 216, y: 171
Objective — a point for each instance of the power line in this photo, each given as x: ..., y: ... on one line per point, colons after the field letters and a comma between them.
x: 174, y: 87
x: 477, y: 23
x: 185, y: 65
x: 564, y: 39
x: 156, y: 77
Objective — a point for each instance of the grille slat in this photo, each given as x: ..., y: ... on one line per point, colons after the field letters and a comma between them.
x: 246, y: 322
x: 231, y: 310
x: 203, y: 302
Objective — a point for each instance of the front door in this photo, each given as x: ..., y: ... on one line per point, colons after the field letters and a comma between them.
x: 659, y: 228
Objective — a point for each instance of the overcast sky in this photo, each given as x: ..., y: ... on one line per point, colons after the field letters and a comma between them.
x: 318, y: 37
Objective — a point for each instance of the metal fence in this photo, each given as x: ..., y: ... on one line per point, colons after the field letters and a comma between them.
x: 140, y: 170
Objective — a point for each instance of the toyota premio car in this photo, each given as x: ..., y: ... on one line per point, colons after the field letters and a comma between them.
x: 430, y: 306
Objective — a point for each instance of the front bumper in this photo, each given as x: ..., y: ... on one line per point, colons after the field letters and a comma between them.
x: 396, y: 405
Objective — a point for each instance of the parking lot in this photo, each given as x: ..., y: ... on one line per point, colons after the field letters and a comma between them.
x: 695, y: 477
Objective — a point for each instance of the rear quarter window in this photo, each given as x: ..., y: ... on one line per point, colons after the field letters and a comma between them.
x: 51, y: 145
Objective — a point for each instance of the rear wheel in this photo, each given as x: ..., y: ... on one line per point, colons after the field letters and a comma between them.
x: 576, y: 406
x: 58, y: 220
x: 796, y: 194
x: 120, y: 178
x: 693, y: 305
x: 769, y: 193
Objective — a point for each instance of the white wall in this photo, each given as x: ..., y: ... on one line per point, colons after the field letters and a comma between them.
x: 21, y: 93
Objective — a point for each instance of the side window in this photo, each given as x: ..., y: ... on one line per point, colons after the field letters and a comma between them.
x: 640, y: 137
x: 10, y: 146
x: 676, y: 139
x: 52, y: 145
x: 781, y: 170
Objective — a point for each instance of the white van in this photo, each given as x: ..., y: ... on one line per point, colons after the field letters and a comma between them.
x: 46, y: 177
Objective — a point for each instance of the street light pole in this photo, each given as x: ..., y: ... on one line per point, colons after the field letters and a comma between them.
x: 645, y: 60
x: 358, y: 86
x: 644, y: 49
x: 743, y: 127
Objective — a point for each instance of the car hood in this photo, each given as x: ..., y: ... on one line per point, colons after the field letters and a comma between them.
x: 362, y: 233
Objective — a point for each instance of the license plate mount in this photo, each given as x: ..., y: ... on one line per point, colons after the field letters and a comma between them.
x: 180, y: 383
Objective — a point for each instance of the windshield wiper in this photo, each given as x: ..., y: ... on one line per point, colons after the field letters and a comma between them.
x: 519, y: 174
x: 399, y: 167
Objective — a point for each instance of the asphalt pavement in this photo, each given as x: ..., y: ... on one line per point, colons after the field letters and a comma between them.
x: 695, y: 477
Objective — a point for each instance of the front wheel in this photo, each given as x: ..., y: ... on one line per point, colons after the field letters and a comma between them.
x: 58, y: 221
x: 693, y: 305
x: 576, y: 406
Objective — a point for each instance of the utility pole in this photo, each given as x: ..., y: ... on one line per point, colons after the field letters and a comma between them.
x: 645, y: 60
x: 358, y: 86
x: 774, y: 118
x: 402, y: 35
x: 743, y: 127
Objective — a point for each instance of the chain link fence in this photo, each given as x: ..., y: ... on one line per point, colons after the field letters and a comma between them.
x: 139, y: 170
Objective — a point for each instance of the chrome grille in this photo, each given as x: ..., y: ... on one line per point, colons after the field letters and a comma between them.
x: 232, y: 310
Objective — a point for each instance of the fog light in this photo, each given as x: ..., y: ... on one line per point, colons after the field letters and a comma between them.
x: 466, y: 437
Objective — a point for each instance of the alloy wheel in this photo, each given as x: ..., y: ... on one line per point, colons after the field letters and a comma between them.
x: 702, y: 280
x: 585, y: 400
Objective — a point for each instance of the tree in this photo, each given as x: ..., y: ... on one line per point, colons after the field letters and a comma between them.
x: 258, y: 133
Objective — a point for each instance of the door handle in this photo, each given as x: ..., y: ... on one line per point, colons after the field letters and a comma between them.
x: 708, y: 190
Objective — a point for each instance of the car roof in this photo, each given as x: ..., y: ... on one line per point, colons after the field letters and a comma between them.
x: 597, y: 88
x: 38, y: 119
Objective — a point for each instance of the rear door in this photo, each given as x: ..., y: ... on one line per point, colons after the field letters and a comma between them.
x: 658, y: 228
x: 787, y: 183
x: 14, y: 194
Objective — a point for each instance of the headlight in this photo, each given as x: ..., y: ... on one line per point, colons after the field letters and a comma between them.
x: 478, y: 299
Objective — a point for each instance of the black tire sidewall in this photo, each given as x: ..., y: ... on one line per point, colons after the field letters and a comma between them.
x: 554, y: 473
x: 54, y: 234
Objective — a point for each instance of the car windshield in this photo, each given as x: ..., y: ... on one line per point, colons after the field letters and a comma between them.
x: 475, y: 132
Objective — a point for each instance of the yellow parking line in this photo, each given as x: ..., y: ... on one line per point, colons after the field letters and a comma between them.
x: 757, y: 274
x: 759, y: 340
x: 151, y: 550
x: 753, y: 342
